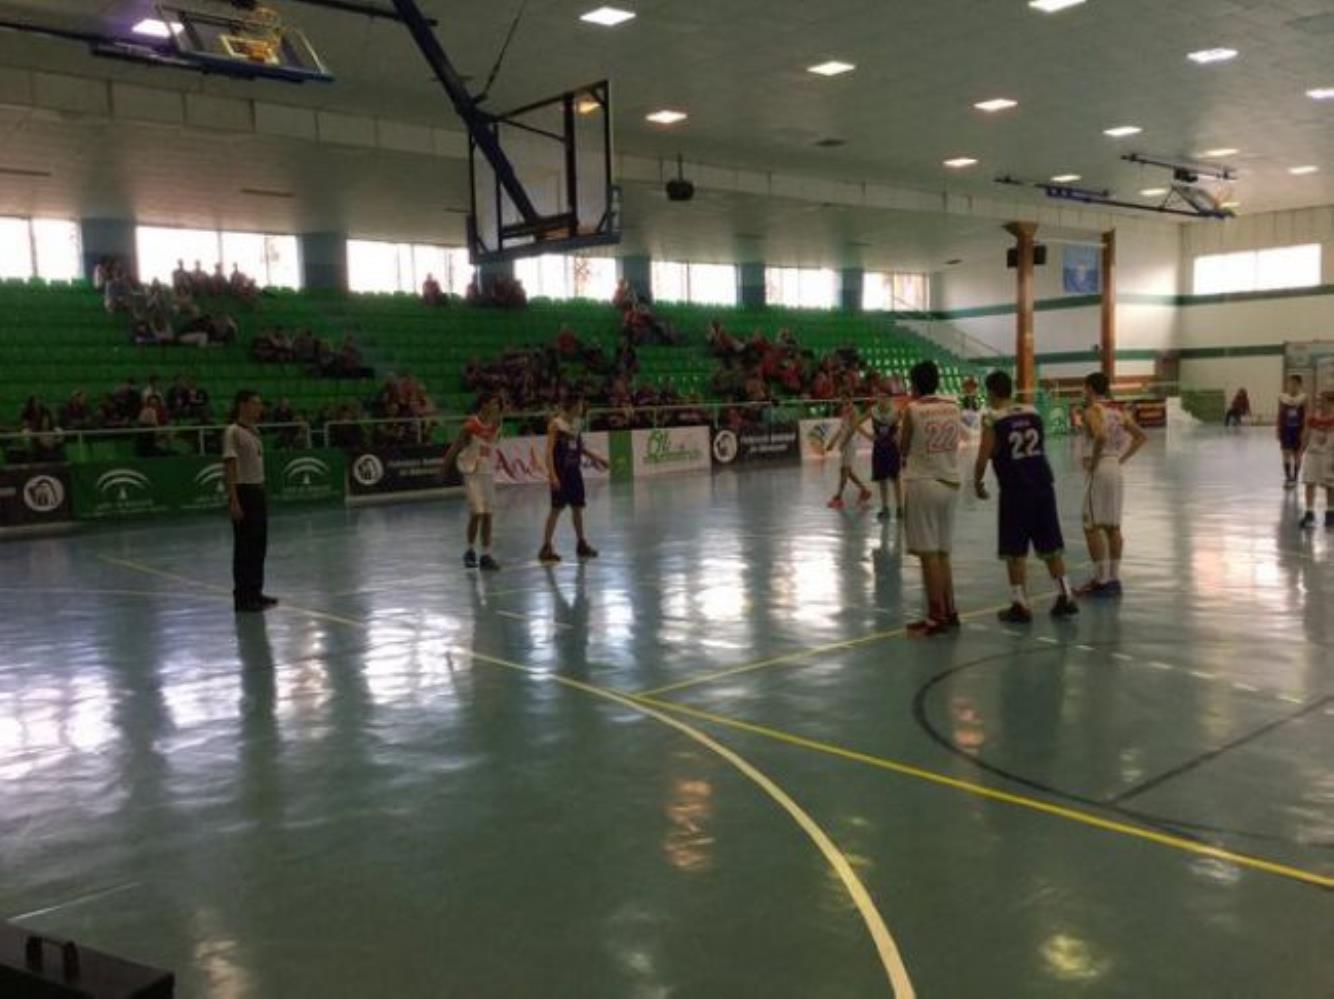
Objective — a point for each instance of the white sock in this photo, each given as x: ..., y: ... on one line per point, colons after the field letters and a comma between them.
x: 1116, y: 568
x: 1018, y: 595
x: 1064, y: 583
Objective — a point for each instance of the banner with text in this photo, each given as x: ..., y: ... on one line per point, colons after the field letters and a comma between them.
x: 400, y: 470
x: 816, y: 436
x: 522, y: 461
x: 756, y: 442
x: 196, y: 485
x: 670, y: 449
x: 34, y: 494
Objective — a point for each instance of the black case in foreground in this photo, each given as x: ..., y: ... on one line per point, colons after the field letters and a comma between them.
x: 33, y: 966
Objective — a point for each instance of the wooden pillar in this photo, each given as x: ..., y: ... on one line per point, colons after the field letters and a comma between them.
x: 1026, y: 368
x: 1107, y: 340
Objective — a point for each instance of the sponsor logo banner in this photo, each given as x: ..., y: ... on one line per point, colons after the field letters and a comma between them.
x: 197, y: 485
x: 522, y: 461
x: 35, y: 494
x: 401, y: 470
x: 670, y: 449
x: 306, y: 476
x: 758, y: 442
x: 816, y: 435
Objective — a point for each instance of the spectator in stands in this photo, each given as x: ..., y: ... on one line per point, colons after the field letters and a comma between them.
x: 151, y: 417
x: 153, y: 388
x: 101, y: 273
x: 1239, y: 410
x: 241, y: 285
x: 624, y: 297
x: 198, y: 405
x: 394, y: 433
x: 38, y: 424
x: 116, y: 290
x: 567, y: 343
x: 431, y: 291
x: 349, y: 361
x: 177, y: 398
x: 77, y: 414
x: 217, y: 281
x: 822, y: 387
x: 109, y: 413
x: 196, y: 331
x: 180, y: 278
x: 225, y: 330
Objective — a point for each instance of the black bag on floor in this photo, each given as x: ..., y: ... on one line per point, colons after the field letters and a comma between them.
x: 33, y: 966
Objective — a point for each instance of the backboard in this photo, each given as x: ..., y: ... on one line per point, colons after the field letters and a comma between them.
x: 243, y: 43
x: 561, y: 153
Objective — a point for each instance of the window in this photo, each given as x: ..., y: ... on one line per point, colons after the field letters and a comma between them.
x: 391, y: 267
x: 560, y: 276
x: 887, y: 291
x: 44, y: 248
x: 800, y: 288
x: 1258, y: 270
x: 273, y: 261
x: 702, y: 284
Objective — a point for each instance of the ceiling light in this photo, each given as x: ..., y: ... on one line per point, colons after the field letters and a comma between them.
x: 1065, y: 178
x: 1052, y: 6
x: 667, y: 117
x: 608, y: 17
x: 1218, y: 154
x: 153, y: 28
x: 1206, y: 56
x: 587, y: 105
x: 960, y: 162
x: 1153, y: 192
x: 996, y: 104
x: 831, y: 68
x: 1321, y: 94
x: 1302, y: 171
x: 1121, y: 131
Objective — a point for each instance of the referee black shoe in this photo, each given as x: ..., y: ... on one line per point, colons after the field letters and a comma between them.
x: 1016, y: 613
x: 266, y: 601
x: 1064, y: 607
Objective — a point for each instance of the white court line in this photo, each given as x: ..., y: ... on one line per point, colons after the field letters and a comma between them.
x: 1238, y: 685
x: 1084, y: 648
x: 1125, y: 657
x: 1289, y: 698
x: 1049, y: 641
x: 77, y: 900
x: 1202, y: 674
x: 1158, y: 664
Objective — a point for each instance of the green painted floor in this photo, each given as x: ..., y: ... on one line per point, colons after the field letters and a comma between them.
x: 414, y: 782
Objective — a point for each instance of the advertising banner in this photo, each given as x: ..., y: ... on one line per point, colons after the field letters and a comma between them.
x: 816, y: 435
x: 522, y: 461
x: 136, y: 488
x: 756, y: 442
x: 305, y: 476
x: 35, y: 494
x: 399, y: 470
x: 667, y: 450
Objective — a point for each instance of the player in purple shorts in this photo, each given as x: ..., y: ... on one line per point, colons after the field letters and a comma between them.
x: 565, y: 458
x: 1013, y: 441
x: 1291, y: 424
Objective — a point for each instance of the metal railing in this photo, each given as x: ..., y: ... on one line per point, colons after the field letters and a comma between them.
x: 61, y: 437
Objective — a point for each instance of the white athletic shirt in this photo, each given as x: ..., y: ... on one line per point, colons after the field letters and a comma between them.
x: 479, y: 456
x: 1116, y: 437
x: 933, y: 452
x: 1321, y: 430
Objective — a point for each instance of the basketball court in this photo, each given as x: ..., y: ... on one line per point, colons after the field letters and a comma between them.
x: 707, y: 763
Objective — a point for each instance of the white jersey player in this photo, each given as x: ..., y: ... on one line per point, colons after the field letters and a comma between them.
x: 1111, y: 439
x: 932, y: 428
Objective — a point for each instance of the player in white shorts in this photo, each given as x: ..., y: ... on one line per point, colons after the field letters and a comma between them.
x: 932, y: 427
x: 1111, y: 439
x: 475, y: 451
x: 845, y: 440
x: 1318, y: 463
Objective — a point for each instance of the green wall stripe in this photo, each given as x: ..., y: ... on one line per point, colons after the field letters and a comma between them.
x: 1135, y: 298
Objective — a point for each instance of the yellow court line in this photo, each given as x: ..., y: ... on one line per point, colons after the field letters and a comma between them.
x: 890, y: 957
x: 292, y: 608
x: 888, y: 951
x: 994, y: 794
x: 797, y: 656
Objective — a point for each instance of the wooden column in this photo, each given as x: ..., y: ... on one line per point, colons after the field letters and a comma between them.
x: 1026, y: 368
x: 1107, y: 340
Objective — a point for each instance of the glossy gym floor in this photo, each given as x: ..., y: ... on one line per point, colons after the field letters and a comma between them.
x: 708, y: 764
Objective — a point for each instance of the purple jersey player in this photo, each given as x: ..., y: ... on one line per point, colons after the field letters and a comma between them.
x: 1291, y: 423
x: 1014, y: 442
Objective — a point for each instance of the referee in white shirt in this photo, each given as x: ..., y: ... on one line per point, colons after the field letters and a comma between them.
x: 243, y: 462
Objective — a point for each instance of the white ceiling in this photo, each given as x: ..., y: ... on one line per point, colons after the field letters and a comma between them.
x: 737, y: 67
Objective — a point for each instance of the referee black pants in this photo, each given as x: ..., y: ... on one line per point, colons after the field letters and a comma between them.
x: 250, y: 544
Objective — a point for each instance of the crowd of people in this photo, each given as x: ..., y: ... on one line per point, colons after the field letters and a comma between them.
x: 320, y: 357
x: 128, y: 406
x: 161, y: 314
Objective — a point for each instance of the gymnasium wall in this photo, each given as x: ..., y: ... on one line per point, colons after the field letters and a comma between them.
x: 977, y: 297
